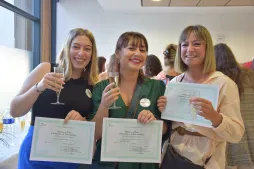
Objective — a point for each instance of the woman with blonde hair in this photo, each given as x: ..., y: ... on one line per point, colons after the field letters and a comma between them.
x: 78, y: 57
x: 169, y: 61
x: 193, y: 146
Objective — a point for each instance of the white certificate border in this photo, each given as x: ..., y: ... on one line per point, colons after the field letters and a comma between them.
x: 75, y: 159
x: 211, y: 87
x: 146, y: 159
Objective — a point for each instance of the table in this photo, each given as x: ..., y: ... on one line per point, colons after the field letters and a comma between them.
x: 9, y: 155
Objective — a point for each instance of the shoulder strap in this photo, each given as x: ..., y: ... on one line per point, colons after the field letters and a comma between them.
x: 182, y: 77
x: 134, y: 102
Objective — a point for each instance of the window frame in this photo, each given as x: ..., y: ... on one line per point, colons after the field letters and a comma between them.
x: 36, y: 19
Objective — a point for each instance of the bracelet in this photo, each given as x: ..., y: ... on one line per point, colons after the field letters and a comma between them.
x: 37, y: 90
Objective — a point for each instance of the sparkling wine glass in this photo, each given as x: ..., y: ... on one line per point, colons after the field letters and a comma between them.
x: 61, y: 71
x: 114, y: 77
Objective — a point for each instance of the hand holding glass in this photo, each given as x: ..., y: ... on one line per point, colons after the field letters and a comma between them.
x: 114, y: 77
x: 61, y: 71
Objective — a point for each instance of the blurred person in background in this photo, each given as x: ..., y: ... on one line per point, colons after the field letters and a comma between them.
x: 239, y: 155
x: 152, y: 66
x: 169, y: 61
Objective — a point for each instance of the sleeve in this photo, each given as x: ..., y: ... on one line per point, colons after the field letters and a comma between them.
x: 231, y: 128
x: 97, y: 93
x: 159, y: 90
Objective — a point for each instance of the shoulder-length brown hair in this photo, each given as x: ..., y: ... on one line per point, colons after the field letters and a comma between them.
x: 64, y: 61
x: 137, y: 39
x: 152, y: 66
x: 203, y: 35
x: 101, y: 63
x: 227, y: 64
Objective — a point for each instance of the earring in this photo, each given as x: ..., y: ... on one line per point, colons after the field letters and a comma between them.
x: 84, y: 69
x: 118, y: 61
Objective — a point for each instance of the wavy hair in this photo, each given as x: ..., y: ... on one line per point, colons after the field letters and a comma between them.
x: 64, y: 61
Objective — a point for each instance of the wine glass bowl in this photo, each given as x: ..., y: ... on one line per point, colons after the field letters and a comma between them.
x: 61, y: 71
x: 114, y: 78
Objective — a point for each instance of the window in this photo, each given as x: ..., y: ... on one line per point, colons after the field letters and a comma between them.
x: 19, y: 45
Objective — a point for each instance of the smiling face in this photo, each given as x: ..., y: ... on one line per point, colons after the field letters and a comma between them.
x: 80, y: 53
x: 133, y: 56
x: 193, y: 51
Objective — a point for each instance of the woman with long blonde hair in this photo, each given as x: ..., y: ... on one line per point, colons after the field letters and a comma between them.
x: 78, y: 57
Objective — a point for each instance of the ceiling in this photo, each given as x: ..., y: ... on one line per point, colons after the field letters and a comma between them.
x: 183, y: 6
x: 174, y: 3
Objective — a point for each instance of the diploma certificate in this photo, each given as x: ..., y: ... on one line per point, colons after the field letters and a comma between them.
x: 127, y: 140
x: 55, y: 141
x: 178, y: 107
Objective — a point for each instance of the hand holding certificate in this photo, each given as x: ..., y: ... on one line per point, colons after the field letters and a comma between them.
x: 55, y: 141
x: 127, y: 140
x: 179, y: 108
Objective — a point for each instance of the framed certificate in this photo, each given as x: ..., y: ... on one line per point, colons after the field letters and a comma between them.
x: 127, y: 140
x: 55, y: 141
x: 178, y: 107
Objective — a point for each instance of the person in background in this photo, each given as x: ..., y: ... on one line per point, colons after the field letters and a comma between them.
x: 197, y: 147
x: 101, y: 64
x: 249, y: 65
x: 169, y: 60
x: 130, y: 56
x: 239, y: 155
x: 101, y: 67
x: 152, y: 66
x: 79, y: 59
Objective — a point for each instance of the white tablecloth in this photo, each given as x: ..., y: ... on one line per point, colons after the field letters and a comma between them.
x: 9, y: 155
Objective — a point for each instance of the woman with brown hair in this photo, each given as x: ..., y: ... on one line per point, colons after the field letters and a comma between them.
x: 130, y: 56
x: 101, y: 64
x: 241, y: 154
x: 152, y: 66
x: 101, y: 68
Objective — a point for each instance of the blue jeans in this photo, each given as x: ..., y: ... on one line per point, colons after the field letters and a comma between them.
x: 24, y: 157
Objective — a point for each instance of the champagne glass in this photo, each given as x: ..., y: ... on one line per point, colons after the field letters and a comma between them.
x: 61, y: 71
x: 114, y: 77
x: 22, y: 122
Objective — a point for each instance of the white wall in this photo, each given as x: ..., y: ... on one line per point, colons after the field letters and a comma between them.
x: 160, y: 29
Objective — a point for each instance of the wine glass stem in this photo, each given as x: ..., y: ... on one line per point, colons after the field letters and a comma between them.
x: 57, y: 99
x: 114, y: 104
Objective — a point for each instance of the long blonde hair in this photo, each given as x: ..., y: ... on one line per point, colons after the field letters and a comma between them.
x: 64, y: 61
